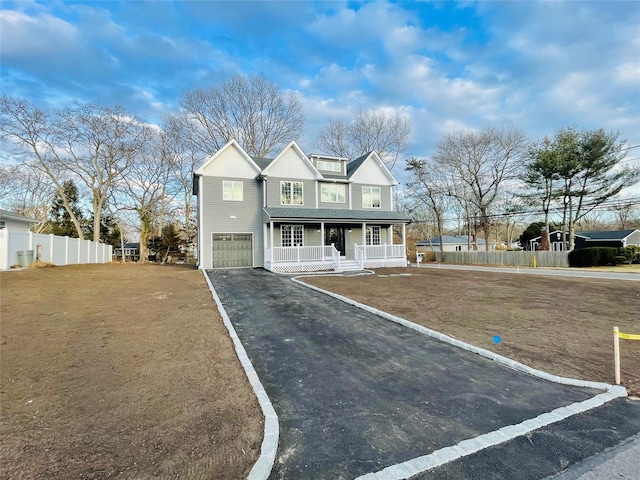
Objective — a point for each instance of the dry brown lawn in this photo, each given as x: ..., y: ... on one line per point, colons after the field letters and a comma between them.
x: 560, y: 325
x: 120, y: 371
x: 126, y: 371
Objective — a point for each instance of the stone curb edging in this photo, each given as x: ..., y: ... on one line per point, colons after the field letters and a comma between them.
x: 262, y: 468
x: 467, y: 447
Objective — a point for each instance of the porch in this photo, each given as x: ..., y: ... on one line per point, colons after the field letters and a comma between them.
x: 312, y: 240
x: 321, y: 258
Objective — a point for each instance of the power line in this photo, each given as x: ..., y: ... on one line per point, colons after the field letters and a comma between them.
x: 608, y: 205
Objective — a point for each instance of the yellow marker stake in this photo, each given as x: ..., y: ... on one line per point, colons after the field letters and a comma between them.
x: 616, y: 352
x: 535, y: 262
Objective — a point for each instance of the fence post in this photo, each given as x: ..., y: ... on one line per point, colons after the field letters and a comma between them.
x: 616, y: 352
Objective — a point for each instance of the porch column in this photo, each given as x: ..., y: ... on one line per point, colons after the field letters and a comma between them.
x: 364, y: 240
x: 271, y: 238
x: 404, y: 235
x: 322, y: 234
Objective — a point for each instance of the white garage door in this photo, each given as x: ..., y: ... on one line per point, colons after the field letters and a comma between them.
x: 232, y: 250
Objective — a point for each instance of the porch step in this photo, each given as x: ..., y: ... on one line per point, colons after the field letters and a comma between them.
x: 349, y: 266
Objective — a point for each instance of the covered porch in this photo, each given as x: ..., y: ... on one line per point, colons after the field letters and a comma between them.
x: 296, y: 240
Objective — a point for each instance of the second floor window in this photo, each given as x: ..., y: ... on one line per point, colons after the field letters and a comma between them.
x: 333, y: 193
x: 370, y: 197
x: 291, y: 193
x: 232, y: 190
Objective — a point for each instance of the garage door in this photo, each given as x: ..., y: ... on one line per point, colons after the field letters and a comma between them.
x: 232, y: 250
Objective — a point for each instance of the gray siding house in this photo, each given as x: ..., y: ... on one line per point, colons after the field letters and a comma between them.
x: 297, y: 212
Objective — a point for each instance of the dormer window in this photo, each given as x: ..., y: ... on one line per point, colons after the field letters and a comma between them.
x: 329, y: 166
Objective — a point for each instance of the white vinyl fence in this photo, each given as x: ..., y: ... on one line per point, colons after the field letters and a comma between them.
x: 18, y: 247
x: 503, y: 257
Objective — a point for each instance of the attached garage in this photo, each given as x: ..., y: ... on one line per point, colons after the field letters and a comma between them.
x: 232, y: 250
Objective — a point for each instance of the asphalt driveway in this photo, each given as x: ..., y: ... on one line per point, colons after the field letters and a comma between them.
x: 355, y: 393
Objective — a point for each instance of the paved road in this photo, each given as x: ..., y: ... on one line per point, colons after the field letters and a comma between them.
x: 356, y: 393
x: 553, y: 272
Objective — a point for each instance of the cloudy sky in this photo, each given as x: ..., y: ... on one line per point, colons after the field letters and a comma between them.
x: 539, y: 66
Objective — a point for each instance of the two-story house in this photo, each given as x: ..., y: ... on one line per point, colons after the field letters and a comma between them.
x: 297, y: 212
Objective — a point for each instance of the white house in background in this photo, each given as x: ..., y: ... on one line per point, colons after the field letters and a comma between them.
x: 297, y: 212
x: 452, y: 243
x: 16, y: 222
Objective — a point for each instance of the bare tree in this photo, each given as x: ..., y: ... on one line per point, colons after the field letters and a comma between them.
x: 28, y: 192
x: 482, y: 162
x: 627, y: 215
x: 184, y: 161
x: 144, y: 189
x: 428, y: 185
x: 252, y: 110
x: 99, y: 145
x: 87, y: 142
x: 386, y: 133
x: 31, y: 131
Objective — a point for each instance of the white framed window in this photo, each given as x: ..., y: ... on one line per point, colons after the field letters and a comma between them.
x: 370, y: 197
x: 329, y: 166
x: 232, y: 191
x: 291, y: 193
x: 292, y: 235
x: 332, y: 193
x: 373, y: 235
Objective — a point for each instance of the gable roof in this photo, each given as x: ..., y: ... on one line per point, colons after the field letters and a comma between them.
x: 450, y: 240
x: 607, y: 235
x: 230, y: 144
x: 303, y: 157
x: 539, y: 237
x: 354, y: 166
x: 598, y: 236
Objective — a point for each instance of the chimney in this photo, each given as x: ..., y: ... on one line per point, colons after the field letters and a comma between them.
x: 544, y: 239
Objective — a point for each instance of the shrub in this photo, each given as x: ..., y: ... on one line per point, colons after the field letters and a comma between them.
x: 594, y: 256
x: 585, y: 257
x: 631, y: 254
x: 608, y: 255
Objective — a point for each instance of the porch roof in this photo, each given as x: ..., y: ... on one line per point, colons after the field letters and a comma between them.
x: 327, y: 214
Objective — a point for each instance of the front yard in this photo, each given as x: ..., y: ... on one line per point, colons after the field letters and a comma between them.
x: 120, y: 371
x: 560, y: 325
x: 126, y: 371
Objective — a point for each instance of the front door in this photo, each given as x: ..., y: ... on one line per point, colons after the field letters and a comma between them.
x: 335, y: 235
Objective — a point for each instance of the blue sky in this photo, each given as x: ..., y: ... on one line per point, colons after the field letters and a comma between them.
x: 539, y: 66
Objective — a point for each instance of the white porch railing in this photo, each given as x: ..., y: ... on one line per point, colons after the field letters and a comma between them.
x: 300, y: 254
x: 379, y: 251
x: 359, y: 255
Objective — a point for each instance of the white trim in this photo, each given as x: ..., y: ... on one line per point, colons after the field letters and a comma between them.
x: 200, y: 223
x: 293, y: 145
x: 229, y: 144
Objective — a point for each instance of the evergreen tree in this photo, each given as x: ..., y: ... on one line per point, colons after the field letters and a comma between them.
x: 60, y: 221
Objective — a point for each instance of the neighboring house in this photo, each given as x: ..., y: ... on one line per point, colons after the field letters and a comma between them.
x: 16, y: 222
x: 583, y: 239
x: 451, y: 243
x: 131, y: 252
x: 296, y: 212
x: 555, y: 242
